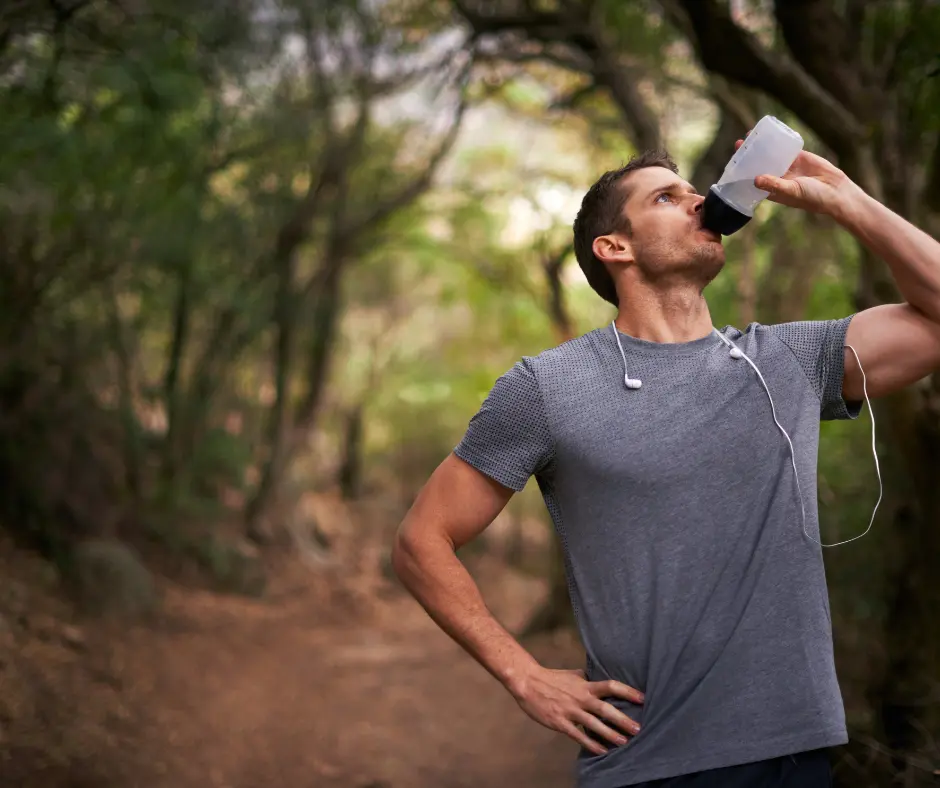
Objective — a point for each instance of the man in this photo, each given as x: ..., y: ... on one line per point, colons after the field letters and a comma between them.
x: 697, y: 584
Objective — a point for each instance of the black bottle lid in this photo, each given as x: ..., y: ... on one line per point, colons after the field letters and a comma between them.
x: 719, y: 217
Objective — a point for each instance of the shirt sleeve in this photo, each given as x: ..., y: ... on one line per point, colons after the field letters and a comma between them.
x: 819, y: 347
x: 508, y: 438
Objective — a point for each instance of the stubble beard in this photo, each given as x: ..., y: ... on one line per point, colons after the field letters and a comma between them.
x: 699, y: 265
x: 709, y: 260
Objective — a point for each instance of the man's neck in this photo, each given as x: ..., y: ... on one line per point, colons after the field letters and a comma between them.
x: 673, y: 316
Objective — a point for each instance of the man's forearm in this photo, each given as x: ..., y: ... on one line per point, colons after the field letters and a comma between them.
x: 431, y: 571
x: 911, y: 254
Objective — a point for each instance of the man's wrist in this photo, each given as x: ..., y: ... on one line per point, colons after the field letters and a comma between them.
x: 850, y: 206
x: 516, y: 675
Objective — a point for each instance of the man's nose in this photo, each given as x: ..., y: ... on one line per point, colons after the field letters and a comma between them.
x: 696, y: 205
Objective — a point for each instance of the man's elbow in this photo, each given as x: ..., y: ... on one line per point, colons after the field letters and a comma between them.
x: 412, y: 550
x: 404, y: 553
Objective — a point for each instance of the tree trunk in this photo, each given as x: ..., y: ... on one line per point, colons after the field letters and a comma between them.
x: 124, y: 359
x: 285, y: 321
x: 747, y: 275
x: 287, y: 432
x: 906, y: 697
x: 350, y: 470
x: 322, y: 342
x: 275, y: 438
x: 171, y: 378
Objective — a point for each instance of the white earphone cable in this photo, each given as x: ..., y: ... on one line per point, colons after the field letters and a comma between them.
x: 874, y: 451
x: 796, y: 474
x: 737, y: 353
x: 626, y: 375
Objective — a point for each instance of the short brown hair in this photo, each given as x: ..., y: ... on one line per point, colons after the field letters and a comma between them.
x: 602, y: 212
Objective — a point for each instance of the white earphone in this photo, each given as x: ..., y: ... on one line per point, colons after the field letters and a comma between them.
x: 736, y: 353
x: 630, y: 383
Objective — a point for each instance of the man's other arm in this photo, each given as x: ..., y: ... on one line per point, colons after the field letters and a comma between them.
x: 456, y: 505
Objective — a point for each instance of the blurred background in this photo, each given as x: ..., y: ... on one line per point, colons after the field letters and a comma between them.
x: 260, y: 262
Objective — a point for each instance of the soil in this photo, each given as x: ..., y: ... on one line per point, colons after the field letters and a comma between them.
x: 335, y: 679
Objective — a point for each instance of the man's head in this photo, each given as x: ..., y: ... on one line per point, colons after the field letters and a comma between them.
x: 645, y: 216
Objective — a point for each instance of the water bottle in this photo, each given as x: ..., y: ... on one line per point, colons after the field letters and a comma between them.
x: 769, y: 149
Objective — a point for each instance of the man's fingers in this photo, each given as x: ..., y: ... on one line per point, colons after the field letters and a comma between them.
x: 778, y: 186
x: 617, y: 717
x: 583, y: 739
x: 783, y: 191
x: 616, y: 689
x: 588, y: 720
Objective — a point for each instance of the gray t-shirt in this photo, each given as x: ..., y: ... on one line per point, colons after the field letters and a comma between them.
x: 677, y: 508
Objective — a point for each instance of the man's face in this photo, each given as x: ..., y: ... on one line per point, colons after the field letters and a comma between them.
x: 667, y: 237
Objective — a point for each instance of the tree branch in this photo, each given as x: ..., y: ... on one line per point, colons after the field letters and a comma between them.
x: 712, y: 162
x: 623, y: 84
x: 816, y: 36
x: 238, y: 154
x: 572, y: 98
x: 733, y: 101
x: 734, y: 53
x: 557, y: 309
x: 575, y: 29
x: 412, y: 190
x: 538, y: 24
x: 557, y: 56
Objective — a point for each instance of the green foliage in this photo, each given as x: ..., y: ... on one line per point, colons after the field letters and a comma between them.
x: 641, y: 30
x: 157, y: 178
x: 146, y: 185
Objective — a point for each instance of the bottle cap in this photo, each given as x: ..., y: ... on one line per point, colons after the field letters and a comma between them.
x: 720, y: 217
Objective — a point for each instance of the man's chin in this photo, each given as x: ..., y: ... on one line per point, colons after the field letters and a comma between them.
x: 709, y: 260
x: 710, y: 254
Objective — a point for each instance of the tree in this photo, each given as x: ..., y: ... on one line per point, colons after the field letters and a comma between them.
x: 183, y: 199
x: 354, y: 212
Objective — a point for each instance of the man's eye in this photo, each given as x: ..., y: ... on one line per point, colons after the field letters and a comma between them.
x: 664, y: 194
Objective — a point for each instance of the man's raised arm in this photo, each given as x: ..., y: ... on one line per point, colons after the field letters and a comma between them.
x: 898, y: 344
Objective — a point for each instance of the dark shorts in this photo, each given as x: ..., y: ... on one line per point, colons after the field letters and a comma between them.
x: 802, y: 770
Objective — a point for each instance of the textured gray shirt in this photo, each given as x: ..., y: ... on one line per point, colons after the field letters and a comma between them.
x: 677, y: 508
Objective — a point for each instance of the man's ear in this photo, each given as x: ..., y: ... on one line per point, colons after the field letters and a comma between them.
x: 613, y: 249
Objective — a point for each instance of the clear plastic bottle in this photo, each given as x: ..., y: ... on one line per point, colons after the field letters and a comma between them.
x: 769, y: 149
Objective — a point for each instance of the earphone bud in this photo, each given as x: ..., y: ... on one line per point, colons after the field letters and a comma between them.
x: 631, y: 383
x: 736, y: 353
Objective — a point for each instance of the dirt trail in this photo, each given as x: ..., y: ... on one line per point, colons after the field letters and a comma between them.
x: 228, y: 692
